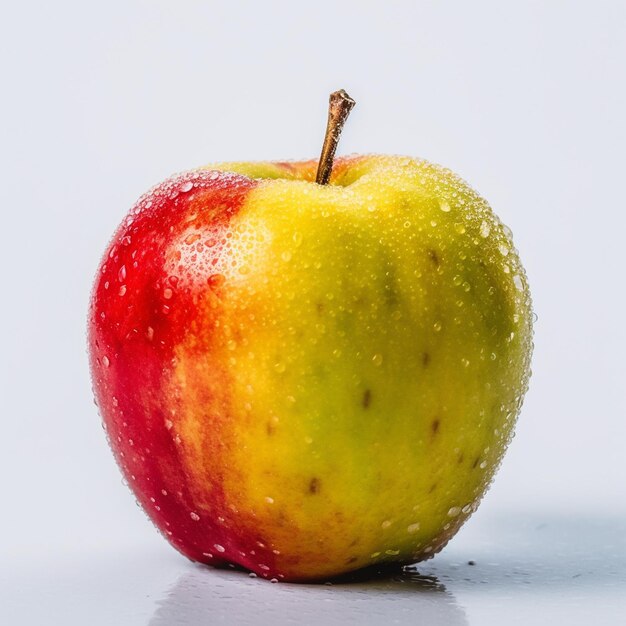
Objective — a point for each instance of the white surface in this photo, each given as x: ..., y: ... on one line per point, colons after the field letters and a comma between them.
x: 102, y: 100
x: 528, y: 569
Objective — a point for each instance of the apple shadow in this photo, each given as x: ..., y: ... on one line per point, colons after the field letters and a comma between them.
x: 537, y: 552
x: 493, y: 559
x: 207, y: 595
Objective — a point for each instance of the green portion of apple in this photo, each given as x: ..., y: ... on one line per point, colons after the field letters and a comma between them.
x: 390, y: 342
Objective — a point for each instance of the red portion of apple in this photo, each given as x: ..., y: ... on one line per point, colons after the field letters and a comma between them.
x: 138, y: 312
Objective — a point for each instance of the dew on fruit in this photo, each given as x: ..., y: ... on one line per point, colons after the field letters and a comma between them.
x: 105, y: 361
x: 454, y: 511
x: 122, y: 290
x: 437, y: 326
x: 377, y: 359
x: 413, y: 528
x: 252, y: 575
x: 385, y: 524
x: 167, y: 293
x: 269, y: 500
x: 485, y: 229
x: 392, y: 552
x: 483, y: 465
x: 444, y: 206
x: 121, y: 274
x: 517, y: 281
x: 504, y: 250
x: 186, y: 186
x: 219, y: 547
x: 374, y: 555
x: 194, y: 516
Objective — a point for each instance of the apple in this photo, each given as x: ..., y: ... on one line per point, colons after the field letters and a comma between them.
x: 306, y: 379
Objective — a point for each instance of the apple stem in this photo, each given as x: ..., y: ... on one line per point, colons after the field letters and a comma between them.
x: 339, y: 106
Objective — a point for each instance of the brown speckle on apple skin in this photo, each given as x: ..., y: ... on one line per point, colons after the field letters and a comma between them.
x: 367, y: 398
x: 434, y: 257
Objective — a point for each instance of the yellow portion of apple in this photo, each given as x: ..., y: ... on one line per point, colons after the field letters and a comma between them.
x: 378, y: 335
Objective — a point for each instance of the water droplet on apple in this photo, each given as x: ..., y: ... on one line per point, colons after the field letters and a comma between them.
x: 286, y: 256
x: 392, y: 552
x: 105, y: 361
x: 121, y: 274
x: 485, y: 229
x: 167, y: 293
x: 504, y: 250
x: 122, y: 290
x: 444, y: 206
x: 377, y: 359
x: 437, y: 326
x: 517, y: 281
x: 454, y: 511
x: 385, y: 524
x: 187, y: 186
x: 413, y: 528
x: 297, y: 238
x: 194, y: 516
x: 219, y: 547
x: 280, y: 367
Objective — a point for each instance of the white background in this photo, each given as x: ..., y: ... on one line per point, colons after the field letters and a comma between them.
x: 101, y: 100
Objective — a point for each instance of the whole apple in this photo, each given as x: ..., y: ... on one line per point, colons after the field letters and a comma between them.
x: 305, y: 379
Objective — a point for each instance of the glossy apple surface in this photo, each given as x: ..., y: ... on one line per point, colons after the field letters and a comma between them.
x: 305, y: 380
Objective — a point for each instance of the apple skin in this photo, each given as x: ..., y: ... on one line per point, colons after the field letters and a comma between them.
x: 306, y: 380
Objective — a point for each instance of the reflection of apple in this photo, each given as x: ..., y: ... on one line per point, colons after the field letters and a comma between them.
x: 308, y: 379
